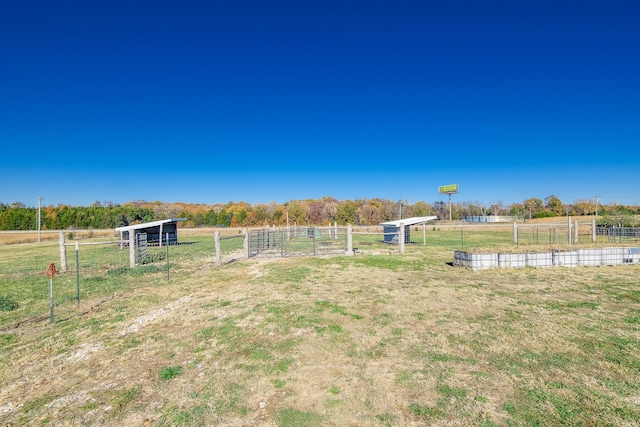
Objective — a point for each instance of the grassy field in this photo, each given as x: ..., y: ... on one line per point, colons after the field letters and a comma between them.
x: 377, y: 339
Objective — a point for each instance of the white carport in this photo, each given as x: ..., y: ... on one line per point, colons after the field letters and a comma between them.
x: 392, y: 229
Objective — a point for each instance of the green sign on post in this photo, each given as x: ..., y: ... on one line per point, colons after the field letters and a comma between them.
x: 448, y: 189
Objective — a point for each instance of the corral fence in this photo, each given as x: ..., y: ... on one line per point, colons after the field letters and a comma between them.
x: 574, y: 233
x: 282, y: 242
x: 619, y: 234
x: 297, y: 241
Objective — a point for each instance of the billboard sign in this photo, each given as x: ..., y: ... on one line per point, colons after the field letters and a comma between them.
x: 448, y: 189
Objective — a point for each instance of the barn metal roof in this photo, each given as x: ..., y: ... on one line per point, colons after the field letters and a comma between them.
x: 409, y: 221
x: 149, y: 224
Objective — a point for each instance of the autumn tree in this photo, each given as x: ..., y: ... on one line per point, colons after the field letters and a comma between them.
x: 584, y: 207
x: 554, y: 205
x: 369, y: 214
x: 316, y: 213
x: 422, y: 209
x: 346, y: 213
x: 497, y: 208
x: 534, y: 206
x: 297, y: 212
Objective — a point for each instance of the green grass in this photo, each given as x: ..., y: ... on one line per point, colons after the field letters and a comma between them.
x: 291, y: 417
x: 170, y: 372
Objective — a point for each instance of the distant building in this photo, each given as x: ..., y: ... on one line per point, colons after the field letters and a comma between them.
x: 488, y: 218
x: 392, y: 228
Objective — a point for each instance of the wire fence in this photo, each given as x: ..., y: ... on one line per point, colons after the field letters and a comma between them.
x: 53, y: 281
x: 96, y: 268
x: 230, y: 248
x: 91, y: 271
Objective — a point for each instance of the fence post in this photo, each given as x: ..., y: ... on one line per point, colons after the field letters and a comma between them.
x: 132, y: 248
x: 593, y: 230
x: 245, y: 243
x: 335, y: 229
x: 216, y: 236
x: 576, y: 231
x: 63, y: 253
x: 401, y: 238
x: 570, y: 233
x: 515, y: 232
x: 349, y: 250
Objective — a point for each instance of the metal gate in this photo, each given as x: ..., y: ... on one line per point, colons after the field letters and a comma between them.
x: 141, y: 247
x: 297, y: 241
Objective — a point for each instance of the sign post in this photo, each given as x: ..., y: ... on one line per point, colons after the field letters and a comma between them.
x: 448, y: 189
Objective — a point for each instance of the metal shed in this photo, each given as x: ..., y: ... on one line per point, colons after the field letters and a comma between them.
x: 156, y: 231
x: 392, y: 228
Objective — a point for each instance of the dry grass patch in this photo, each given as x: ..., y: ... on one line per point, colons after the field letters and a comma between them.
x: 366, y: 340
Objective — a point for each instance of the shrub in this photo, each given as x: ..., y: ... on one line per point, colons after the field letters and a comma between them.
x: 7, y: 304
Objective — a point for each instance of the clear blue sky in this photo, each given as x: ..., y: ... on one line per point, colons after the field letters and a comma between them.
x: 259, y: 101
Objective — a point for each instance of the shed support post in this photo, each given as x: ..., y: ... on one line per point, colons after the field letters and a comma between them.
x: 424, y: 233
x: 401, y: 237
x: 160, y: 235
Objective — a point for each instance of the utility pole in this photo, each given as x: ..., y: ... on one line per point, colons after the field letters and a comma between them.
x: 400, y: 203
x: 39, y: 200
x: 597, y: 203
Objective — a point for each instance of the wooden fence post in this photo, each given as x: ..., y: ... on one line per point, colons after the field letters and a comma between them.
x: 349, y: 250
x: 216, y: 236
x: 63, y: 253
x: 132, y: 248
x: 245, y: 243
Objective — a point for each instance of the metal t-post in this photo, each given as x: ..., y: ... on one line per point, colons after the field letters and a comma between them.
x: 51, y: 298
x: 51, y: 271
x: 78, y: 274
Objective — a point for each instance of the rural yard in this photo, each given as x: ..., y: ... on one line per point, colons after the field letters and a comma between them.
x: 375, y: 339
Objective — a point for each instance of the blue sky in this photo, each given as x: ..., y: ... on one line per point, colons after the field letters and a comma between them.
x: 217, y: 101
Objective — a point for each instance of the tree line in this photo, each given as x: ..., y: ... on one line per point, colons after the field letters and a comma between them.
x: 324, y: 211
